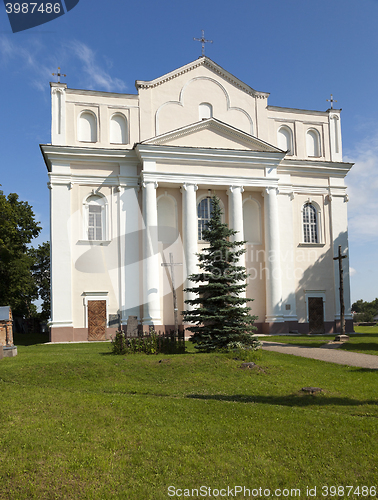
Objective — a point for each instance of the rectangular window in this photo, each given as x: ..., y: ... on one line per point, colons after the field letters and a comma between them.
x: 95, y: 223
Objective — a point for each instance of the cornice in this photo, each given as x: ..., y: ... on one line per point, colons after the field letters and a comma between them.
x: 218, y: 157
x: 297, y: 110
x: 208, y: 180
x: 305, y: 167
x: 101, y: 93
x: 208, y: 63
x: 67, y: 154
x: 92, y: 180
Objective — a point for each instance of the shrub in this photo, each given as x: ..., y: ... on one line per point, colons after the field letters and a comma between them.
x: 153, y: 343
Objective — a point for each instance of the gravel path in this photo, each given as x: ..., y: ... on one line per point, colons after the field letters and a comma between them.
x: 328, y: 352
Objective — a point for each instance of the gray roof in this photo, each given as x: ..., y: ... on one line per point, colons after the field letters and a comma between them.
x: 4, y: 313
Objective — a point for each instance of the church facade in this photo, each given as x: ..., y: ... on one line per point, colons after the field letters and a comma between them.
x: 131, y: 178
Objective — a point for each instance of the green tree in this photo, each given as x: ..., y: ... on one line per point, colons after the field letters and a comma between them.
x: 41, y: 273
x: 365, y: 311
x: 220, y: 318
x: 17, y: 229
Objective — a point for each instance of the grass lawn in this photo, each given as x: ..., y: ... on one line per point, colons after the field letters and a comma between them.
x: 366, y: 340
x: 79, y: 423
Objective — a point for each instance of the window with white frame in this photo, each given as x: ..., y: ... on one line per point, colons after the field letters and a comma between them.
x: 310, y: 224
x: 204, y: 211
x: 285, y: 139
x: 87, y: 127
x: 118, y: 129
x: 205, y: 111
x: 95, y: 218
x: 313, y: 143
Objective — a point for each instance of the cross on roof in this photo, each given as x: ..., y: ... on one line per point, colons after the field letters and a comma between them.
x: 331, y: 101
x: 203, y: 41
x: 59, y: 74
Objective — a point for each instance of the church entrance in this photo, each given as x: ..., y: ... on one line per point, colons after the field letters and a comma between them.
x: 96, y: 319
x: 316, y: 314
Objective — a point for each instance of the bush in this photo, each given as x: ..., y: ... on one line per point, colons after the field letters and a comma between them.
x: 152, y: 343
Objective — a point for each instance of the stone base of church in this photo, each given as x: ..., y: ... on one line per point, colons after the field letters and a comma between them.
x: 71, y: 334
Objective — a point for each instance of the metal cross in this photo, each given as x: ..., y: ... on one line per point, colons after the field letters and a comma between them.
x: 203, y: 41
x: 331, y: 101
x: 59, y: 74
x: 175, y: 310
x: 340, y: 258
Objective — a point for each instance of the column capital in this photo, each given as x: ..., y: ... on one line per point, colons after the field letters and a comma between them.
x: 269, y: 190
x: 187, y: 184
x: 233, y: 188
x: 155, y: 183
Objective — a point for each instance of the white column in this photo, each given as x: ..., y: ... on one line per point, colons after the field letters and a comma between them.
x: 272, y: 258
x: 129, y: 218
x: 58, y: 114
x: 235, y: 217
x: 235, y: 211
x: 151, y: 295
x: 335, y: 135
x: 189, y: 234
x: 61, y: 258
x: 285, y: 203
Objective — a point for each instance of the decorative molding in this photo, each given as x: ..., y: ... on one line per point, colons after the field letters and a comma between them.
x: 185, y: 188
x: 207, y: 180
x: 145, y: 182
x: 217, y: 126
x: 231, y: 189
x: 180, y: 102
x: 208, y: 63
x: 56, y: 90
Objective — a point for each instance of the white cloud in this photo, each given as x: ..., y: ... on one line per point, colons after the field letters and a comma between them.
x: 352, y: 271
x: 77, y: 58
x: 362, y: 182
x: 98, y: 78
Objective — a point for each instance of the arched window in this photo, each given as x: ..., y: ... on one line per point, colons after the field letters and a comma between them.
x: 118, y: 129
x: 205, y: 111
x: 285, y: 139
x: 95, y: 218
x: 313, y: 143
x: 167, y: 219
x: 87, y: 127
x: 252, y: 221
x: 204, y: 211
x: 310, y: 224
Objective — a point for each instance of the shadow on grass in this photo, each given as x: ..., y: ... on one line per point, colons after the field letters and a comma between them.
x: 361, y: 346
x: 30, y: 338
x: 289, y: 400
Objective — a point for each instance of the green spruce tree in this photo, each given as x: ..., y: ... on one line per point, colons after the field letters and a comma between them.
x: 220, y: 318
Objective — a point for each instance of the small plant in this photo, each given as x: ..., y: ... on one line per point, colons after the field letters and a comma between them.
x: 119, y: 343
x: 153, y: 343
x: 244, y: 352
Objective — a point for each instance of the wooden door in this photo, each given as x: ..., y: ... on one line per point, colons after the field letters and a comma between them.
x: 96, y: 319
x: 316, y: 314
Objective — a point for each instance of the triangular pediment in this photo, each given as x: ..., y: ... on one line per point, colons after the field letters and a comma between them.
x: 210, y: 65
x: 212, y: 134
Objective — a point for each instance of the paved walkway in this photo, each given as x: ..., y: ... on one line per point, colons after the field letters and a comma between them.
x: 328, y: 352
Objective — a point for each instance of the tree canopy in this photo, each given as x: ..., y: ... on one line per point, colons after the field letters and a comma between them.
x: 18, y: 227
x: 365, y: 311
x: 220, y: 318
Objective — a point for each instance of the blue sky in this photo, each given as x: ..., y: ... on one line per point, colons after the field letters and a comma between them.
x: 299, y: 51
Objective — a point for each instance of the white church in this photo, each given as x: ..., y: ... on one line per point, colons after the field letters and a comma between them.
x: 131, y: 177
